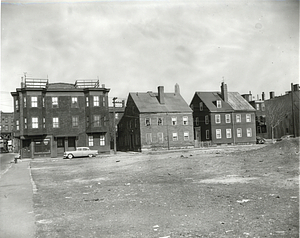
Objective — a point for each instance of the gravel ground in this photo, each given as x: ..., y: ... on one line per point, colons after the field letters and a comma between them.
x: 242, y: 191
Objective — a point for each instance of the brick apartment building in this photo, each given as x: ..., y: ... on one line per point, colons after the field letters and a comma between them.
x: 6, y: 128
x: 222, y: 118
x: 260, y: 113
x: 156, y: 121
x: 51, y: 118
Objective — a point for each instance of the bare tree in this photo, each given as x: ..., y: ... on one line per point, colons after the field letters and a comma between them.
x: 277, y: 110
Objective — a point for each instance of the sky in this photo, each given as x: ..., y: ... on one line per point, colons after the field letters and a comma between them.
x: 136, y: 46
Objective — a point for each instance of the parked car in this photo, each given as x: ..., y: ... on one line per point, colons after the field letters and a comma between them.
x: 80, y: 152
x: 260, y: 140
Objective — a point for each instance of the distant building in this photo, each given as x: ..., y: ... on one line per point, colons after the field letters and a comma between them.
x: 260, y: 114
x: 156, y: 121
x: 282, y: 113
x: 51, y: 118
x: 115, y: 115
x: 222, y: 118
x: 6, y: 129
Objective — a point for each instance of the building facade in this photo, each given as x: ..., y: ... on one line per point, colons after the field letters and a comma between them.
x: 156, y: 121
x: 51, y: 118
x: 260, y: 114
x: 115, y: 115
x: 282, y: 113
x: 222, y: 118
x: 6, y: 129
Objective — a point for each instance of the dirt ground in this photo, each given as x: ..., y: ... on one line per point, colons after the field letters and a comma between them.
x: 242, y: 191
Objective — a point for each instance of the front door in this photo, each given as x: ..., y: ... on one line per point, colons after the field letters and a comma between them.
x: 26, y: 149
x: 60, y: 145
x: 198, y: 133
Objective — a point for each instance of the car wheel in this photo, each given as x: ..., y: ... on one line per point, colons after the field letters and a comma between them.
x: 90, y: 156
x: 70, y: 156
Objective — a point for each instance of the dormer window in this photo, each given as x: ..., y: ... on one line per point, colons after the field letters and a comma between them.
x: 219, y: 104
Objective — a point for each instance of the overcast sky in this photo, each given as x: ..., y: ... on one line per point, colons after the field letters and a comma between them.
x: 136, y: 46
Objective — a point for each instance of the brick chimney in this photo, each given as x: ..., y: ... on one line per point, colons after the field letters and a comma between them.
x: 177, y: 89
x: 272, y: 94
x: 224, y: 92
x: 161, y: 95
x: 263, y: 96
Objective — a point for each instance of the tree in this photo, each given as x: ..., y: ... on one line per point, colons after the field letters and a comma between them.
x: 277, y: 109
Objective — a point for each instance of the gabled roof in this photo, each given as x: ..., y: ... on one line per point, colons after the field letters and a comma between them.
x: 235, y: 102
x: 149, y: 103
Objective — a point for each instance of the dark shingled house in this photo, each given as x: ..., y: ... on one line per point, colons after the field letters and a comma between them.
x: 223, y: 118
x: 156, y: 120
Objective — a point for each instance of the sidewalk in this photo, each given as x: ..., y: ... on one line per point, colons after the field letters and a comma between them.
x: 17, y: 218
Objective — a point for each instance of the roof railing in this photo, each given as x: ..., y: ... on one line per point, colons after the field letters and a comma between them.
x: 87, y: 83
x: 35, y: 83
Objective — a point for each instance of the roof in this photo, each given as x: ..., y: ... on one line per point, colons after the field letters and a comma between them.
x: 148, y: 103
x: 235, y: 102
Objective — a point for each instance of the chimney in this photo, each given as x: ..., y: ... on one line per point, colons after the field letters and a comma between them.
x: 224, y: 92
x: 103, y: 85
x: 123, y: 103
x: 161, y: 96
x: 272, y: 94
x: 294, y: 87
x: 263, y: 96
x: 177, y: 89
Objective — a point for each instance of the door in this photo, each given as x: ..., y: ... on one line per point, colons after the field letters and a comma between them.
x: 198, y: 133
x: 26, y: 149
x: 60, y: 145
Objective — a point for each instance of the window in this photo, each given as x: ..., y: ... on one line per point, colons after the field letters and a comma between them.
x: 44, y: 122
x: 207, y: 134
x: 96, y: 122
x: 159, y: 121
x: 206, y: 120
x: 147, y: 122
x: 35, y: 122
x: 6, y: 127
x: 17, y: 105
x: 218, y: 134
x: 75, y: 121
x: 227, y: 118
x: 228, y: 133
x: 17, y: 125
x: 186, y: 135
x: 55, y: 122
x: 160, y: 137
x: 197, y: 121
x: 249, y: 132
x: 102, y: 140
x: 238, y: 117
x: 257, y: 107
x: 175, y: 136
x: 174, y: 121
x: 239, y: 132
x: 87, y: 101
x: 219, y: 104
x: 91, y: 141
x: 116, y: 115
x: 96, y: 101
x: 201, y: 106
x: 25, y: 122
x: 43, y: 101
x: 34, y: 102
x: 87, y: 121
x: 218, y: 118
x: 148, y: 138
x: 248, y: 117
x: 54, y: 102
x: 192, y: 106
x: 103, y: 102
x: 185, y: 120
x: 74, y: 102
x: 263, y: 107
x: 25, y: 103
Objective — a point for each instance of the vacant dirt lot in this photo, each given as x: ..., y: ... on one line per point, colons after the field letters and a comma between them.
x: 249, y: 191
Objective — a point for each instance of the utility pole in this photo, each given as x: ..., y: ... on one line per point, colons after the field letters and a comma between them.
x: 114, y: 124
